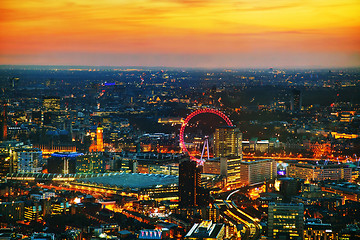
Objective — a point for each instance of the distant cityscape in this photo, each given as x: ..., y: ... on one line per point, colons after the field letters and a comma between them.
x: 167, y: 153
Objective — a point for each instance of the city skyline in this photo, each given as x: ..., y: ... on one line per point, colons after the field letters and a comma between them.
x: 181, y: 33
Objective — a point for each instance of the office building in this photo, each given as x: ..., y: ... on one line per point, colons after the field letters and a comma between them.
x: 189, y: 184
x: 206, y: 230
x: 29, y: 160
x: 285, y: 221
x: 296, y: 100
x: 62, y: 162
x: 90, y: 163
x: 232, y: 166
x: 12, y: 211
x: 319, y: 172
x: 51, y: 103
x: 252, y: 172
x: 33, y: 211
x: 228, y: 142
x: 314, y: 229
x: 8, y: 159
x: 3, y: 123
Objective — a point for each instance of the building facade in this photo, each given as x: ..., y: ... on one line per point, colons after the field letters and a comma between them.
x: 319, y: 172
x: 29, y: 160
x: 206, y: 230
x: 228, y: 142
x: 252, y: 172
x: 285, y: 220
x: 189, y: 184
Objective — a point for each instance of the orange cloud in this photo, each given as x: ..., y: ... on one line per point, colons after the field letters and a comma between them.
x: 178, y: 26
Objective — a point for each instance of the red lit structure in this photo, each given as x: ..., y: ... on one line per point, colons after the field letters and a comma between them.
x: 190, y: 116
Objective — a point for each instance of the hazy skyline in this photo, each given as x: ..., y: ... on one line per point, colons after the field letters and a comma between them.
x: 181, y: 33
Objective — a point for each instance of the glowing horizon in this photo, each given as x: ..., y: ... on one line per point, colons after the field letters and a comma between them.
x: 181, y: 33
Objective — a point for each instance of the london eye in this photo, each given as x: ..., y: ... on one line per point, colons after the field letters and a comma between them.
x: 186, y: 122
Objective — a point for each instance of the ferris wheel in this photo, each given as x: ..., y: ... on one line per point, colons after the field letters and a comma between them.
x: 185, y: 123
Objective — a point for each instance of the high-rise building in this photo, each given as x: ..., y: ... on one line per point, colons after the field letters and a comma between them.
x: 296, y: 100
x: 8, y: 159
x: 189, y: 184
x: 252, y: 172
x: 233, y: 169
x: 285, y: 221
x: 29, y: 159
x: 228, y: 142
x: 3, y: 123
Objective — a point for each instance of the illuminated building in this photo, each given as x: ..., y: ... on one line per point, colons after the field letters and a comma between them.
x: 337, y: 135
x: 296, y: 100
x: 29, y: 160
x: 314, y: 229
x: 154, y: 234
x: 33, y: 212
x: 262, y: 146
x: 99, y: 139
x: 206, y: 230
x: 43, y: 236
x: 51, y: 104
x: 348, y: 191
x: 233, y: 170
x: 47, y: 150
x: 3, y: 124
x: 8, y: 159
x: 59, y: 207
x: 228, y: 142
x: 90, y: 163
x: 285, y: 220
x: 172, y: 121
x: 351, y: 232
x: 212, y: 166
x: 169, y: 169
x: 12, y: 211
x: 319, y: 172
x: 252, y: 172
x: 326, y: 200
x: 189, y: 183
x: 98, y: 145
x: 151, y: 186
x: 62, y: 162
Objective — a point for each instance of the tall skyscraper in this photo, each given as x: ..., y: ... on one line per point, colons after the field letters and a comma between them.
x: 285, y: 221
x: 3, y: 123
x: 228, y: 142
x: 296, y: 100
x: 232, y: 169
x: 189, y: 184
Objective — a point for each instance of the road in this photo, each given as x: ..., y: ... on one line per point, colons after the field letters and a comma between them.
x: 232, y: 213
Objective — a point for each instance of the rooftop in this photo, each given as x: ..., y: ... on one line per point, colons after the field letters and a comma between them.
x: 133, y: 180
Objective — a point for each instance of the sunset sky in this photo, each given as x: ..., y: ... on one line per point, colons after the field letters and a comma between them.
x: 181, y: 33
